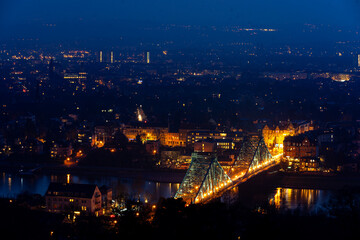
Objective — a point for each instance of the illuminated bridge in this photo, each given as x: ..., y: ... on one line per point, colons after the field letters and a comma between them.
x: 206, y: 179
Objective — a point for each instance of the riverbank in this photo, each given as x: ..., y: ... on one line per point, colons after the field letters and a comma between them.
x: 308, y: 181
x: 155, y: 175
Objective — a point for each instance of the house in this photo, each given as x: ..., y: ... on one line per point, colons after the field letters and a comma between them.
x: 299, y: 146
x: 309, y: 164
x: 61, y: 151
x: 65, y: 197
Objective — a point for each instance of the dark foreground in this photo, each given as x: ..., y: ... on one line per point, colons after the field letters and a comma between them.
x: 25, y: 218
x: 173, y: 221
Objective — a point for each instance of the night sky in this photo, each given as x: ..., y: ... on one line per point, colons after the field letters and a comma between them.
x: 208, y: 12
x: 110, y: 19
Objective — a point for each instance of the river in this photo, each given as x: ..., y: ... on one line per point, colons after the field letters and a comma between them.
x: 310, y: 200
x: 13, y: 184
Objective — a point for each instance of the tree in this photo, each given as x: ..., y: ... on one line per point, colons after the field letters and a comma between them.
x: 120, y: 140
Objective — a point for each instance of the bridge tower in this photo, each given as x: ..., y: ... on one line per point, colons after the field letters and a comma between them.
x: 204, y: 178
x: 253, y: 155
x: 261, y: 157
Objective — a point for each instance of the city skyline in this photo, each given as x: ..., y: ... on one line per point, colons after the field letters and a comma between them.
x: 180, y: 119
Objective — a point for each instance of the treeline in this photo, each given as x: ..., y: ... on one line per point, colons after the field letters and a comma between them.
x: 171, y: 219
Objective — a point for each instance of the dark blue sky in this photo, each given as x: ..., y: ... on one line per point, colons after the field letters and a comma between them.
x: 112, y: 20
x: 204, y: 12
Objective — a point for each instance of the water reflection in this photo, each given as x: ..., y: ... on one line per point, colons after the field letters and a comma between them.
x: 289, y: 198
x: 68, y: 178
x: 13, y: 184
x: 9, y: 183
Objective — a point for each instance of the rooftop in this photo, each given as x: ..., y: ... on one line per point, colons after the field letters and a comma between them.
x: 71, y: 190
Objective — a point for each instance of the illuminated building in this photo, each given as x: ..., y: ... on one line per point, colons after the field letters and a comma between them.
x: 145, y: 133
x: 183, y: 137
x: 341, y: 77
x: 212, y: 145
x: 61, y: 151
x: 101, y: 56
x: 75, y: 54
x: 274, y: 137
x: 194, y: 136
x: 75, y: 76
x: 304, y: 127
x: 86, y: 198
x: 112, y: 57
x: 140, y: 115
x: 309, y: 164
x: 148, y: 57
x: 320, y: 75
x: 176, y: 139
x: 84, y: 137
x: 286, y: 75
x: 103, y: 135
x: 162, y: 134
x: 225, y: 144
x: 358, y: 60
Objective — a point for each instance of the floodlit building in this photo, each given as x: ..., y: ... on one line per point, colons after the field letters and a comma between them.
x: 162, y: 134
x: 274, y: 136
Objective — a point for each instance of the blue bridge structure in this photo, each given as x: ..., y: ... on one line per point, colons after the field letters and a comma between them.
x: 206, y: 179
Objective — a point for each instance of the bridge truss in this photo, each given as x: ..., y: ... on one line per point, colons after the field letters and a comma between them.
x: 253, y: 155
x: 204, y: 178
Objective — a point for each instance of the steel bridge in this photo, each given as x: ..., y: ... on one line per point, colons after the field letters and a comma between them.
x: 206, y: 179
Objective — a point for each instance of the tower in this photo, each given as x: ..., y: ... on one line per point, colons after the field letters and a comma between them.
x: 112, y: 57
x: 147, y: 57
x: 101, y: 57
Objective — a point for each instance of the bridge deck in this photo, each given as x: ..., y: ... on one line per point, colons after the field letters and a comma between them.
x: 237, y: 182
